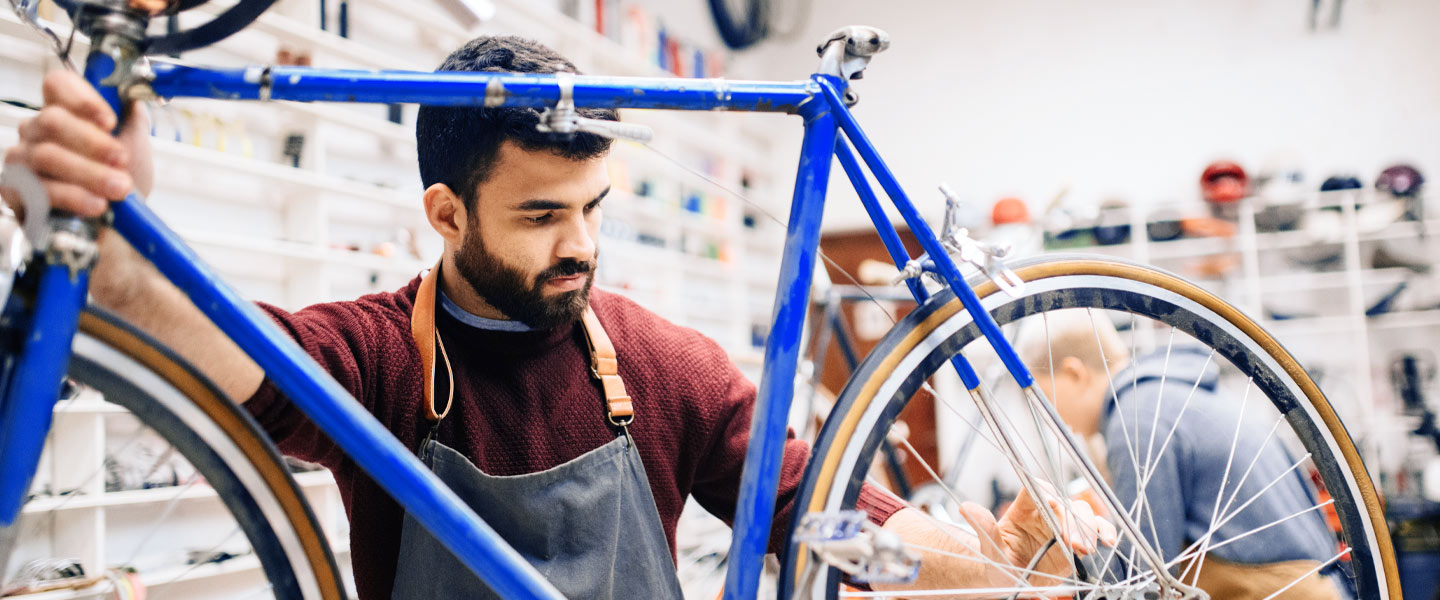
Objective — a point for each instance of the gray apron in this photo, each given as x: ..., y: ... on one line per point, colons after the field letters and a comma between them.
x: 589, y: 525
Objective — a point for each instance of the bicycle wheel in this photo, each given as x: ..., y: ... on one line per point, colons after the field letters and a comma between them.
x: 1146, y: 304
x: 223, y: 519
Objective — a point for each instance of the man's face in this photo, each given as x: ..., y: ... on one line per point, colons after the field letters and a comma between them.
x: 529, y: 247
x: 1066, y: 393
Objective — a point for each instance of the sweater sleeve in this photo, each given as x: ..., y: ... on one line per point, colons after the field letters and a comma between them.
x: 340, y: 338
x: 717, y: 486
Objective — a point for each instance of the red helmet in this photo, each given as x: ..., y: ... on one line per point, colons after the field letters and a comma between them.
x: 1223, y: 181
x: 1009, y: 210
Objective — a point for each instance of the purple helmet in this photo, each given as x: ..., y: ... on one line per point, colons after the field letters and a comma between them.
x: 1400, y: 180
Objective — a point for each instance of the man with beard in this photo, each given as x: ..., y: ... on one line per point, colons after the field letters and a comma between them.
x: 487, y: 365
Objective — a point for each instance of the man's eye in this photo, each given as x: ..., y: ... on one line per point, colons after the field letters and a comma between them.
x: 592, y: 206
x: 539, y: 219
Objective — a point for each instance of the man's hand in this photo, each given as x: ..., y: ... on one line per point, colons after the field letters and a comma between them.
x: 997, y: 554
x: 1021, y: 532
x: 70, y: 147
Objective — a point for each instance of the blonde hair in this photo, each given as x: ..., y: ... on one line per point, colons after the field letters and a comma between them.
x: 1048, y: 338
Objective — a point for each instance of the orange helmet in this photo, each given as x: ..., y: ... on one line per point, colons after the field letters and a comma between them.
x: 1009, y: 210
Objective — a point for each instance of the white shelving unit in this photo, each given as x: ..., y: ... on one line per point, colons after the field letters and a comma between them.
x: 1319, y: 313
x: 316, y: 231
x: 152, y: 529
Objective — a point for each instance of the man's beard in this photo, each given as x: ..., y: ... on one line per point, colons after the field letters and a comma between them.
x: 506, y: 288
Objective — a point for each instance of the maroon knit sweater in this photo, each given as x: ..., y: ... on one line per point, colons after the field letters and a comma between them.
x: 525, y: 402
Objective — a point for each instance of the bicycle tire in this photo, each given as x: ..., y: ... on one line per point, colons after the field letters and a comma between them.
x: 927, y: 337
x: 223, y: 444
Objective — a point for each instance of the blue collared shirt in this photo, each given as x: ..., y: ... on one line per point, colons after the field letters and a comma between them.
x: 1187, y: 472
x: 477, y: 321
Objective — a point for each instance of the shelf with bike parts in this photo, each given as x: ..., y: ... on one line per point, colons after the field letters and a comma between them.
x: 689, y: 235
x: 237, y: 161
x: 1342, y: 275
x: 1281, y: 242
x: 320, y: 226
x: 307, y: 261
x: 105, y: 503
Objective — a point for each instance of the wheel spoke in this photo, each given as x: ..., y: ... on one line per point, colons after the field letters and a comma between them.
x: 198, y: 564
x: 1115, y: 400
x: 1048, y: 591
x: 1224, y: 478
x: 1170, y: 435
x: 974, y: 428
x: 1017, y: 572
x: 1000, y: 421
x: 1124, y: 428
x: 1313, y: 571
x: 1155, y: 422
x: 1258, y: 453
x: 1208, y: 548
x: 160, y: 519
x: 70, y: 495
x: 1248, y: 502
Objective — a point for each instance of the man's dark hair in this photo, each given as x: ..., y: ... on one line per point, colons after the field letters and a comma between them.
x: 457, y: 146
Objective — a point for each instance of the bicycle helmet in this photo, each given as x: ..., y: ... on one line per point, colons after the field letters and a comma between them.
x: 1401, y: 181
x: 1113, y: 225
x: 1223, y: 182
x: 1280, y: 187
x: 1163, y: 225
x: 1009, y: 210
x: 1281, y: 180
x: 1337, y: 183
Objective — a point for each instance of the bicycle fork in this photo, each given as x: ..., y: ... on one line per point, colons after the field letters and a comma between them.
x: 39, y: 368
x: 66, y: 249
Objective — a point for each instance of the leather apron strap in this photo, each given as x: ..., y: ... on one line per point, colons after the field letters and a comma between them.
x: 422, y: 328
x: 604, y: 365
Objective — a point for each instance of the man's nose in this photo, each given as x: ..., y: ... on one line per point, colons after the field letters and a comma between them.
x: 576, y: 241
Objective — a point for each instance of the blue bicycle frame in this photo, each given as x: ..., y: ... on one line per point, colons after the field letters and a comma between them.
x: 30, y: 395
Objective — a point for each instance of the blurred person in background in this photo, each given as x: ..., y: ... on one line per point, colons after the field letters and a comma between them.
x: 1126, y: 425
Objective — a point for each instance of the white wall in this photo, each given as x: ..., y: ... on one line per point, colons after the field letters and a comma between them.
x: 1126, y: 97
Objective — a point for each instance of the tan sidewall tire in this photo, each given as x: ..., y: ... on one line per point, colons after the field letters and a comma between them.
x: 237, y: 426
x: 829, y: 464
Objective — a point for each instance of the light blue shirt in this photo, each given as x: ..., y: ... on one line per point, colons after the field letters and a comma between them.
x: 478, y: 321
x: 1186, y: 479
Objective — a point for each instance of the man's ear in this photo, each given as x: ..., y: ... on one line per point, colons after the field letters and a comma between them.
x: 1075, y: 369
x: 446, y: 212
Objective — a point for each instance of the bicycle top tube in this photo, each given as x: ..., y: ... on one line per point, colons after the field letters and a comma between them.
x: 452, y: 88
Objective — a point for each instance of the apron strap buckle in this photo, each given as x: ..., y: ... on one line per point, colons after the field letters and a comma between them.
x: 605, y: 367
